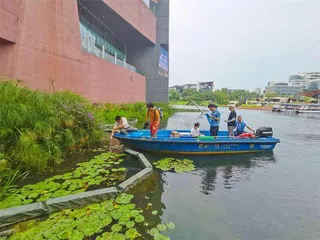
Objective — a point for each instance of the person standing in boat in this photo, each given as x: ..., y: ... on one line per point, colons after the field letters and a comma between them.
x: 121, y: 125
x: 213, y: 119
x: 154, y: 116
x: 231, y: 121
x: 240, y: 126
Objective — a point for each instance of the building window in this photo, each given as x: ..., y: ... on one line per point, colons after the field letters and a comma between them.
x: 97, y: 38
x: 153, y: 7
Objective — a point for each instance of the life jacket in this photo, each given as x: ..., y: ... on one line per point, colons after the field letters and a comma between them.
x: 246, y: 135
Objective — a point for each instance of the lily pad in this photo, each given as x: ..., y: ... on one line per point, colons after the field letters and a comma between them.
x: 179, y: 166
x: 171, y: 225
x: 153, y: 231
x: 119, y: 236
x: 132, y: 233
x: 139, y: 219
x: 154, y: 212
x: 162, y: 227
x: 116, y: 228
x: 130, y: 224
x: 124, y: 198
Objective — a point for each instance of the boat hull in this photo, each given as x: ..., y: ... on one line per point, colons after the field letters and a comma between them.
x: 195, y: 146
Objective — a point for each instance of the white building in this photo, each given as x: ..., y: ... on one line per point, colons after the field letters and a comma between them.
x: 283, y: 88
x: 302, y: 79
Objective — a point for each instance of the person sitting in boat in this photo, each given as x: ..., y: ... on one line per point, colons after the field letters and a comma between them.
x: 240, y: 126
x: 213, y: 119
x: 195, y: 131
x: 154, y: 115
x: 121, y: 125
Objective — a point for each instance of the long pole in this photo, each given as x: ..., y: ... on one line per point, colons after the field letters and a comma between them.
x: 202, y: 113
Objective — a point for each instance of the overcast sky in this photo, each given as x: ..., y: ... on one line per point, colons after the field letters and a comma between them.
x: 243, y: 43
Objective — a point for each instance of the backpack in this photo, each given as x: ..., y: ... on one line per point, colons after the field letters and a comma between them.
x: 160, y: 112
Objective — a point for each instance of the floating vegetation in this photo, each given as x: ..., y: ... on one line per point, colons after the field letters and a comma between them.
x: 88, y: 174
x: 154, y: 212
x: 108, y: 220
x: 179, y: 166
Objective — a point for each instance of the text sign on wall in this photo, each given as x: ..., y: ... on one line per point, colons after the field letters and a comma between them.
x: 163, y: 62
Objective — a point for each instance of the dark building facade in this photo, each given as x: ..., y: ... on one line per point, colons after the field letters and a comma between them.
x: 105, y: 50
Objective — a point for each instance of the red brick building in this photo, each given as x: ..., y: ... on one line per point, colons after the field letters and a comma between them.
x: 98, y: 48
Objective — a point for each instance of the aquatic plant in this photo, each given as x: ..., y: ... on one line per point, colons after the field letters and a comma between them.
x: 37, y: 128
x: 179, y: 166
x: 95, y: 221
x: 95, y: 172
x: 9, y: 179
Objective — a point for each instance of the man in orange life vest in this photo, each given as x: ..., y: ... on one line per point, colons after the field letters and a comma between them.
x: 154, y: 115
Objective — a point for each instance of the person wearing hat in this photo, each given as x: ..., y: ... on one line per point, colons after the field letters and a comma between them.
x: 231, y: 120
x: 213, y: 119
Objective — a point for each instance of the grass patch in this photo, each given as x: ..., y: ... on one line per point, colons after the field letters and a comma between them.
x: 38, y: 129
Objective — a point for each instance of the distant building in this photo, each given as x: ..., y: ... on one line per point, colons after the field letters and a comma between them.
x: 302, y: 79
x: 236, y: 90
x: 313, y: 85
x: 181, y: 88
x: 206, y: 86
x: 283, y: 88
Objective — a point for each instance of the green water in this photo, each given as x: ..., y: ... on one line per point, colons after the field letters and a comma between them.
x: 250, y: 196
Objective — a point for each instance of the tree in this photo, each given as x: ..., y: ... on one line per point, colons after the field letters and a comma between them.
x: 174, y: 95
x: 271, y: 95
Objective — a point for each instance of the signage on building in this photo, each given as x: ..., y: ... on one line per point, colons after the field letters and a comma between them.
x: 163, y: 62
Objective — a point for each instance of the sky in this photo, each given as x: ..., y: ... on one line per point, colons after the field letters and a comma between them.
x: 242, y: 44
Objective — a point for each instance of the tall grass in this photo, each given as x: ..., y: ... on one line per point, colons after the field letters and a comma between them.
x: 108, y: 112
x: 38, y: 128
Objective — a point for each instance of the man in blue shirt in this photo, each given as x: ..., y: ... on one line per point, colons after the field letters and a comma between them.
x: 213, y: 119
x: 240, y: 126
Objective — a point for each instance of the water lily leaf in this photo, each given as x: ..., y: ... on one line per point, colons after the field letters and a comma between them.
x: 162, y: 227
x: 64, y: 235
x: 149, y: 204
x: 153, y: 231
x: 130, y: 224
x: 159, y: 236
x: 132, y: 233
x: 171, y: 225
x: 124, y: 198
x: 134, y: 213
x: 139, y: 219
x: 154, y: 212
x: 118, y: 236
x: 116, y: 228
x: 106, y: 221
x: 116, y: 214
x: 105, y: 236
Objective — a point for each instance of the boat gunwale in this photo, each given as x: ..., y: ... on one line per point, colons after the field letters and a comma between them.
x: 192, y: 141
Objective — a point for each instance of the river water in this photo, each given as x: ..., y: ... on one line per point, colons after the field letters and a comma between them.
x: 247, y: 196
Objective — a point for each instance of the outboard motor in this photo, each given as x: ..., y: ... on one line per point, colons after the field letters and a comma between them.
x: 264, y: 132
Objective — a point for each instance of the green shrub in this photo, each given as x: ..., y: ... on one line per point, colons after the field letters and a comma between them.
x: 37, y: 129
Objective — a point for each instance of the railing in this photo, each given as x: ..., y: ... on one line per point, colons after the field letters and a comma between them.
x: 90, y: 46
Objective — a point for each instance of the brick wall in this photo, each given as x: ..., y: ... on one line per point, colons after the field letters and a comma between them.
x: 48, y: 56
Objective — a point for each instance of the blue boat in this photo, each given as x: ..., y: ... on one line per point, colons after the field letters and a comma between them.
x: 186, y: 144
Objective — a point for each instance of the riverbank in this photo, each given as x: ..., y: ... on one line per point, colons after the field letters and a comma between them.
x: 257, y: 108
x: 40, y: 130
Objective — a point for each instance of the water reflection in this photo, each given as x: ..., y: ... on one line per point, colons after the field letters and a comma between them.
x: 225, y: 170
x: 233, y: 168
